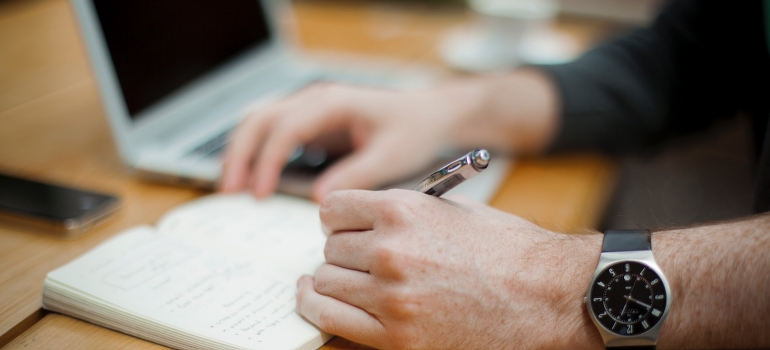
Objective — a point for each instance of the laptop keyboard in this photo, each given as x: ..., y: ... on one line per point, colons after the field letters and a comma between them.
x: 213, y: 147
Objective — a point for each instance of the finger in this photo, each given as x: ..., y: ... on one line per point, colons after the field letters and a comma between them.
x: 240, y: 151
x: 355, y: 288
x: 369, y: 168
x: 302, y: 126
x: 336, y: 317
x: 246, y: 139
x: 351, y: 250
x: 351, y: 210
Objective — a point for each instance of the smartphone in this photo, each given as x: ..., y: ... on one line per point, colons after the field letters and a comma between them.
x: 68, y: 212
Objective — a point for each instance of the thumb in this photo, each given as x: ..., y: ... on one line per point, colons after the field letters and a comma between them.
x: 368, y: 168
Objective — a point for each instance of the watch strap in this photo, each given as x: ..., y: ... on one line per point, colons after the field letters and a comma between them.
x: 626, y: 240
x: 622, y: 241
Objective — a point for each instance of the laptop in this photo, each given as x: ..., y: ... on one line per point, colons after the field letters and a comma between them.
x: 175, y: 76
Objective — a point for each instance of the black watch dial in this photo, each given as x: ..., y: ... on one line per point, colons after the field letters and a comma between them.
x: 628, y: 298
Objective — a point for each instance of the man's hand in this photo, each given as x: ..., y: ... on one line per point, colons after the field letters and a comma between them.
x: 393, y: 134
x: 408, y: 270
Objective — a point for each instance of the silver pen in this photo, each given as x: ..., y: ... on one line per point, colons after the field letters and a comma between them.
x: 454, y: 173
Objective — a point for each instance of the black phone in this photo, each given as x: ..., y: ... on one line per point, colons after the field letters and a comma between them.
x: 54, y: 208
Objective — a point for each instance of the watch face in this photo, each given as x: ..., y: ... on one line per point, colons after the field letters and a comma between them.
x: 628, y: 298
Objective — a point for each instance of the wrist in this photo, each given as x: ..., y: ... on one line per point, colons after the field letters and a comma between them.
x: 579, y: 257
x: 666, y: 248
x: 516, y: 112
x: 461, y: 103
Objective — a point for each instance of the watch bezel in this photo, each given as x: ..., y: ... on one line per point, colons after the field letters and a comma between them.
x: 610, y: 338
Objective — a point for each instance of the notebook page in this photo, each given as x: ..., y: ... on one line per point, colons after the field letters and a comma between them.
x: 283, y: 229
x: 198, y: 290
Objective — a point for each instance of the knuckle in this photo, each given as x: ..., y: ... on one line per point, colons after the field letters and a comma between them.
x: 396, y: 211
x: 283, y: 129
x: 336, y: 99
x: 328, y: 209
x: 327, y: 321
x: 321, y: 281
x: 254, y: 119
x: 388, y: 261
x: 400, y: 303
x: 331, y: 200
x: 385, y: 255
x: 336, y: 107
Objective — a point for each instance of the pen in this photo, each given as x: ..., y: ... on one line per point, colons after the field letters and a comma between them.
x: 454, y: 173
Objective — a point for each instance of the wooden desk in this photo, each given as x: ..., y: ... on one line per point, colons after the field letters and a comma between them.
x: 52, y: 127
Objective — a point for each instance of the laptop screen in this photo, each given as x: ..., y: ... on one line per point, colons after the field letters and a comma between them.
x: 157, y: 46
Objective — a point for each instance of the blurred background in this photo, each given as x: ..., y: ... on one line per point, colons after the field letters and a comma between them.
x: 692, y: 179
x: 687, y: 181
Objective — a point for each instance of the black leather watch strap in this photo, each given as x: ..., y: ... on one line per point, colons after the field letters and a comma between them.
x: 626, y: 240
x: 622, y: 241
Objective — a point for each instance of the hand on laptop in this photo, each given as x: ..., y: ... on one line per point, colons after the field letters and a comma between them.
x: 393, y: 135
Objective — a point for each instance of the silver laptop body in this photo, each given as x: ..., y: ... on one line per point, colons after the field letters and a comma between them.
x: 174, y: 75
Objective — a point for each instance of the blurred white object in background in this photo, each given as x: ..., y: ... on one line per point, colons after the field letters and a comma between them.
x: 507, y: 33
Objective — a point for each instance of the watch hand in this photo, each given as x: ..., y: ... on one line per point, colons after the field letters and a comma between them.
x: 638, y: 302
x: 629, y: 295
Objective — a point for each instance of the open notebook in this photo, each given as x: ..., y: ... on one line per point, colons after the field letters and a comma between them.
x: 219, y: 272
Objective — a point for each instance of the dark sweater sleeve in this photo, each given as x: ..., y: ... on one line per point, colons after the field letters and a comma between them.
x: 673, y: 77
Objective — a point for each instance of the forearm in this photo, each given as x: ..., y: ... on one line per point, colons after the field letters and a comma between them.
x: 516, y: 112
x: 719, y: 276
x: 720, y: 280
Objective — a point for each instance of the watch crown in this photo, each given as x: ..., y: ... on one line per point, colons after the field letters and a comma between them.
x: 584, y: 300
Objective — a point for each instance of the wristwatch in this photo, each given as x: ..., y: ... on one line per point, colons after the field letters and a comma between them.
x: 629, y: 297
